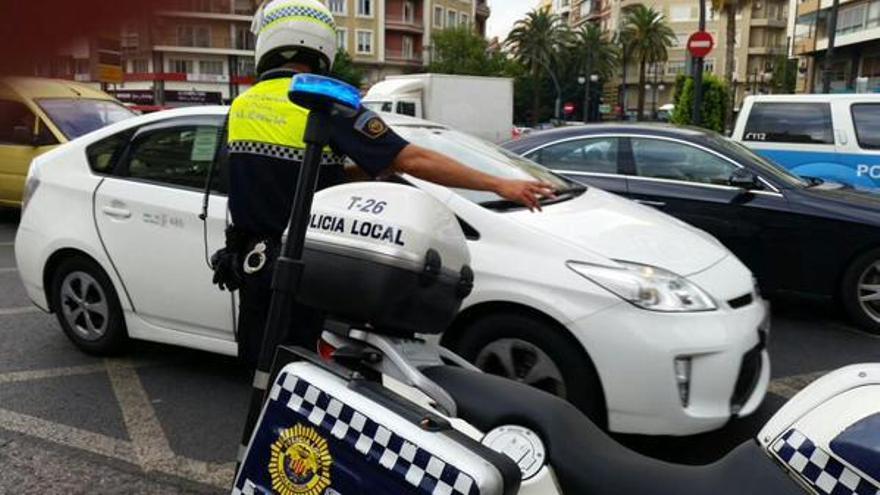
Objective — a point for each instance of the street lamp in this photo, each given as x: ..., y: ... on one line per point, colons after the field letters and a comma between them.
x: 582, y: 79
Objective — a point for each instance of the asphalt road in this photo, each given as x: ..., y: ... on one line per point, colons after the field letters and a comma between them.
x: 162, y: 419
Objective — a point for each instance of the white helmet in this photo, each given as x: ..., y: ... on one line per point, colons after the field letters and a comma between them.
x: 294, y: 29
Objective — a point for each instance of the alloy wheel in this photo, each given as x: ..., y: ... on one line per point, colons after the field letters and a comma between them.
x: 84, y: 305
x: 523, y: 362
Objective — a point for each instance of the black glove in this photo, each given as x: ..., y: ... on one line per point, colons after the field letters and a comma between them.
x: 227, y: 270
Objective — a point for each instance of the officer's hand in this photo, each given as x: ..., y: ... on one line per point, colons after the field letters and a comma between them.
x: 525, y: 192
x: 227, y: 275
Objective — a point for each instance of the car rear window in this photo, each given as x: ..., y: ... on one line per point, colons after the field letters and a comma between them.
x: 866, y: 117
x: 795, y: 122
x: 103, y: 154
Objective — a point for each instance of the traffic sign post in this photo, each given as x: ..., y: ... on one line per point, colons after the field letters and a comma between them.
x: 700, y: 43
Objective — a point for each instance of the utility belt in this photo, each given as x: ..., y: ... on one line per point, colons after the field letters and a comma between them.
x: 245, y: 255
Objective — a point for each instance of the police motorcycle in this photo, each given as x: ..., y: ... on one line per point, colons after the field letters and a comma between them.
x: 381, y: 411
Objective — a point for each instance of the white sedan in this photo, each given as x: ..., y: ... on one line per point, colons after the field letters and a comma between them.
x: 669, y: 340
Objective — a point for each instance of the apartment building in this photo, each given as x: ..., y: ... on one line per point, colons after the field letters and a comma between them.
x: 202, y: 51
x: 855, y: 64
x: 760, y: 39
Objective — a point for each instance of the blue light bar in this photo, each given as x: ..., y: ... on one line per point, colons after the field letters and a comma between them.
x: 307, y: 89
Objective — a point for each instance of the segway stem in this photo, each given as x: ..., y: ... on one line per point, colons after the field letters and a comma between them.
x: 288, y: 267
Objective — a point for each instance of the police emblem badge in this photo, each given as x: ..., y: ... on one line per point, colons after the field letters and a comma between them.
x: 371, y: 125
x: 300, y: 462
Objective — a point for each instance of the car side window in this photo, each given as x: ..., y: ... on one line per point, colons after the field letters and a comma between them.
x: 866, y: 118
x: 16, y: 123
x: 177, y: 156
x: 598, y: 155
x: 781, y: 122
x: 662, y: 159
x: 104, y: 154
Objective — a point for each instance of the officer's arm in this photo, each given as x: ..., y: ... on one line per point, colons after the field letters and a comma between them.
x: 440, y: 169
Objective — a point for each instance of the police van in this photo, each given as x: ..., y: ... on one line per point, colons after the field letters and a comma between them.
x: 835, y: 138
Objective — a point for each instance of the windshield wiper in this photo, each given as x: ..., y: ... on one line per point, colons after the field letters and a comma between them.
x: 560, y: 196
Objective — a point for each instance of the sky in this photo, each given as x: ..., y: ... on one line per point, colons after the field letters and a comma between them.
x: 504, y: 14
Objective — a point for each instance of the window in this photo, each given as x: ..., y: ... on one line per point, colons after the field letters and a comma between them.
x: 866, y: 118
x: 674, y: 68
x: 406, y: 108
x: 244, y: 38
x: 140, y: 66
x: 409, y: 12
x: 342, y: 38
x: 177, y: 156
x: 337, y: 6
x: 211, y: 67
x: 408, y: 51
x: 246, y: 66
x: 851, y: 18
x: 103, y: 154
x: 681, y: 40
x: 77, y: 116
x: 364, y: 42
x: 873, y: 15
x: 790, y: 123
x: 438, y: 16
x: 180, y: 66
x: 597, y: 155
x: 464, y: 19
x: 662, y: 159
x: 16, y: 123
x: 679, y: 13
x: 709, y: 65
x: 451, y: 17
x: 194, y: 36
x: 365, y: 8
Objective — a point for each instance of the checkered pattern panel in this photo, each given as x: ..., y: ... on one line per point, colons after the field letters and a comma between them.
x: 282, y: 152
x: 823, y: 472
x: 428, y: 474
x: 294, y: 10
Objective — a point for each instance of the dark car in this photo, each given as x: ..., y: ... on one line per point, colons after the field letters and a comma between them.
x: 798, y: 235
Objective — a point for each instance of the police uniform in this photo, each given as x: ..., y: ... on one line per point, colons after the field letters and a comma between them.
x: 266, y: 148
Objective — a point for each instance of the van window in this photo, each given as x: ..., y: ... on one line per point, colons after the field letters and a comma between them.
x: 866, y: 118
x: 782, y: 122
x: 14, y: 114
x: 406, y: 108
x: 75, y: 117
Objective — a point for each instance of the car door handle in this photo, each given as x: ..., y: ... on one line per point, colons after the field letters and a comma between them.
x: 655, y: 204
x: 115, y: 212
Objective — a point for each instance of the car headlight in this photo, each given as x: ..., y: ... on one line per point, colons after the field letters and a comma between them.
x: 647, y: 287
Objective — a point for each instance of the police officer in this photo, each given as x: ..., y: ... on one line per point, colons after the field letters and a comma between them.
x: 265, y: 149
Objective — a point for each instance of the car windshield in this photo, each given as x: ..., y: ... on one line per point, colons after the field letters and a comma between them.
x: 741, y: 153
x: 487, y: 158
x: 77, y: 116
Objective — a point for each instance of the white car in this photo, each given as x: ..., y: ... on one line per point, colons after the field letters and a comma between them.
x: 649, y: 325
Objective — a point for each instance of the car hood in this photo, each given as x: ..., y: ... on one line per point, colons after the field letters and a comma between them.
x: 621, y: 229
x: 862, y: 206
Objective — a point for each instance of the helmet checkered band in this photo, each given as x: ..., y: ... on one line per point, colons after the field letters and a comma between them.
x: 299, y: 11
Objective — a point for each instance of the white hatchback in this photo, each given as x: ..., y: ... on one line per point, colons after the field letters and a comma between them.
x: 647, y: 324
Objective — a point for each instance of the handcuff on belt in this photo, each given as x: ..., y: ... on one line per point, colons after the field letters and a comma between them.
x: 256, y: 259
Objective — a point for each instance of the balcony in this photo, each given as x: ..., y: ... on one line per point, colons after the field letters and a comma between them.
x: 807, y: 7
x: 768, y: 22
x: 396, y: 23
x: 483, y: 10
x: 766, y: 50
x: 401, y: 57
x: 803, y: 46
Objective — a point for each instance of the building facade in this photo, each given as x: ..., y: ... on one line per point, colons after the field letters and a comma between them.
x: 855, y: 64
x: 760, y: 41
x: 202, y: 51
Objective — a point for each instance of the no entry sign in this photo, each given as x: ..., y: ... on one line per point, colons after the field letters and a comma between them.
x: 700, y: 44
x: 568, y: 108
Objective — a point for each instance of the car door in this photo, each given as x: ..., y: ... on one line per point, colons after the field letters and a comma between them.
x: 861, y: 138
x: 147, y: 214
x: 691, y: 183
x: 592, y: 160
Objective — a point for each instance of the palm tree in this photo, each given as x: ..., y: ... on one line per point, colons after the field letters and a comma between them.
x: 536, y: 42
x: 729, y: 8
x: 594, y: 54
x: 647, y: 36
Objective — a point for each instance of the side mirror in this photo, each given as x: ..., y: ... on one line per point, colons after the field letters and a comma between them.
x: 21, y: 134
x: 744, y: 179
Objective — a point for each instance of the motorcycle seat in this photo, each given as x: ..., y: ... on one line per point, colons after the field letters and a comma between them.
x: 589, y: 462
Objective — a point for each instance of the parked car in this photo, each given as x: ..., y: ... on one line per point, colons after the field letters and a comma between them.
x: 835, y: 138
x: 37, y: 114
x: 642, y: 321
x: 798, y: 236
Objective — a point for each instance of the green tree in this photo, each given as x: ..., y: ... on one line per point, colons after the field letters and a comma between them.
x: 592, y: 53
x: 647, y: 36
x: 537, y: 42
x: 462, y: 51
x: 784, y: 77
x: 345, y: 70
x: 714, y: 108
x: 680, y: 81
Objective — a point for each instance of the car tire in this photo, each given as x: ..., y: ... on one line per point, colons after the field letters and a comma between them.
x: 540, y: 354
x: 861, y: 280
x: 87, y: 307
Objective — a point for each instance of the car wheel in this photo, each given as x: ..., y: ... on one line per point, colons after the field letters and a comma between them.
x: 87, y: 307
x: 533, y: 351
x: 861, y: 291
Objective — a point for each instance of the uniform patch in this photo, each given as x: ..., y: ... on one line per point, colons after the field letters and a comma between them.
x: 371, y: 125
x: 300, y: 462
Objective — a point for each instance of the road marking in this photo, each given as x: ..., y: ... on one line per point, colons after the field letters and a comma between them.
x: 22, y: 376
x: 20, y: 310
x: 788, y: 386
x: 66, y: 435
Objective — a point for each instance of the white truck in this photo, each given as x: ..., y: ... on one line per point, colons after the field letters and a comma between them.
x: 481, y: 106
